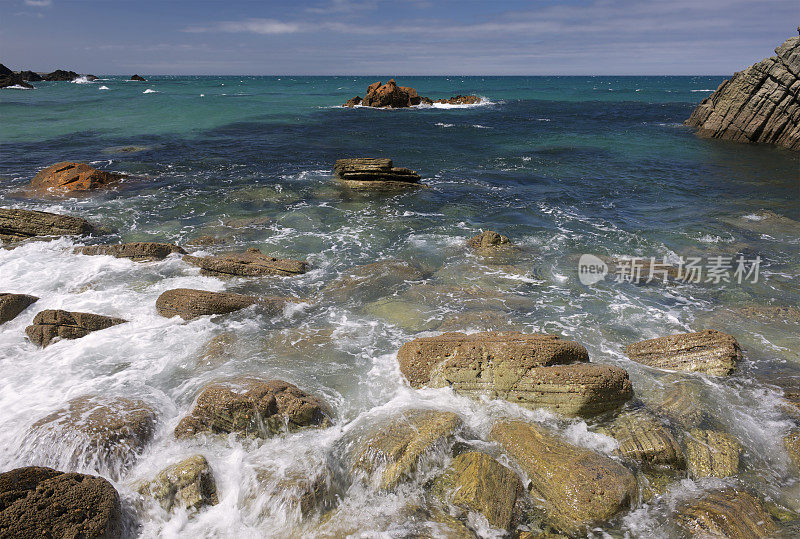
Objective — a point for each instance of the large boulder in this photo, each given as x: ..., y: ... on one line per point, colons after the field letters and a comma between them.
x: 253, y: 407
x: 189, y: 303
x: 580, y: 487
x: 758, y: 104
x: 42, y: 502
x: 709, y: 351
x: 140, y: 251
x: 102, y: 432
x: 642, y: 438
x: 251, y: 263
x: 389, y: 451
x: 390, y: 95
x: 61, y: 75
x: 373, y: 172
x: 477, y: 482
x: 188, y: 484
x: 54, y: 323
x: 728, y: 512
x: 532, y: 370
x: 712, y: 454
x: 68, y: 177
x: 371, y: 281
x: 18, y: 225
x: 13, y: 304
x: 138, y: 78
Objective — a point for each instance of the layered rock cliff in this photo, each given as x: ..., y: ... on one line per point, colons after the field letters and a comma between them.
x: 759, y: 104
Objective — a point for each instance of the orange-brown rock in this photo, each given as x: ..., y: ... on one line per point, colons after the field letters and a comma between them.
x: 189, y: 303
x: 460, y: 100
x: 67, y: 177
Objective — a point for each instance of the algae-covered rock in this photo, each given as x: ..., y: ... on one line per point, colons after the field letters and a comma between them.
x: 488, y: 241
x: 372, y: 281
x: 644, y: 439
x: 682, y: 404
x: 580, y: 487
x: 728, y: 512
x: 477, y: 482
x: 393, y: 448
x: 405, y: 314
x: 253, y: 407
x: 188, y: 484
x: 712, y: 454
x: 710, y: 352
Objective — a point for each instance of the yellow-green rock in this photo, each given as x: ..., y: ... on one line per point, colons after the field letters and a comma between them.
x: 729, y: 512
x: 712, y: 454
x: 644, y: 439
x: 189, y: 484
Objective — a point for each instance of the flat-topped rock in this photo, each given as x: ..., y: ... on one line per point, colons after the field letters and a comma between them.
x: 644, y: 439
x: 55, y: 323
x: 729, y: 512
x: 251, y: 263
x: 18, y: 225
x: 709, y: 351
x: 93, y: 430
x: 580, y: 487
x: 140, y: 251
x: 68, y: 177
x: 13, y: 304
x: 189, y: 303
x: 373, y: 172
x: 758, y: 104
x: 43, y: 502
x: 253, y: 407
x: 188, y: 484
x: 712, y: 454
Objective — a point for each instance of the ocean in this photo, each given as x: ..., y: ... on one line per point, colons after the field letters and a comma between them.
x: 562, y: 166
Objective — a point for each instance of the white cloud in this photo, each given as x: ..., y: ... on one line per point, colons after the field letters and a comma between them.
x: 250, y: 26
x: 39, y: 3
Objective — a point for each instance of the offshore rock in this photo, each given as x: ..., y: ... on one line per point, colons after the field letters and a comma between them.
x: 728, y: 512
x: 460, y: 100
x: 528, y: 369
x: 392, y: 96
x: 189, y: 303
x: 580, y: 487
x: 644, y: 439
x: 13, y: 304
x: 54, y: 323
x: 30, y: 76
x: 758, y: 104
x: 140, y: 251
x: 709, y: 351
x: 98, y: 431
x: 477, y: 482
x: 42, y: 502
x: 188, y: 484
x: 13, y: 79
x: 18, y: 225
x: 392, y: 449
x: 138, y: 78
x: 251, y: 263
x: 712, y: 454
x: 253, y: 407
x: 373, y: 172
x: 488, y: 241
x: 67, y: 177
x: 61, y: 75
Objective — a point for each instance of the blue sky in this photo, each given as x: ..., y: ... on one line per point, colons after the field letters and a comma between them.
x: 402, y: 37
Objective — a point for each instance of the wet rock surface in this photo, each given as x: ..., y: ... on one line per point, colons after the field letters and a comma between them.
x: 709, y: 351
x: 644, y: 439
x: 42, y: 502
x: 189, y: 303
x: 13, y: 304
x: 188, y: 484
x: 68, y: 177
x: 251, y: 263
x: 17, y: 225
x: 712, y: 453
x: 253, y: 407
x: 580, y: 487
x: 51, y: 324
x: 140, y: 251
x: 488, y: 241
x: 373, y: 173
x: 729, y: 512
x: 758, y: 104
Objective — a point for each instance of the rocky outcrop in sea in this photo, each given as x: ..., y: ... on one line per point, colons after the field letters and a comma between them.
x: 392, y: 96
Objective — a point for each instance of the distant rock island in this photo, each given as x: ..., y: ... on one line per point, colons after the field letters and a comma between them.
x: 23, y: 79
x: 392, y: 96
x: 759, y: 104
x: 138, y: 78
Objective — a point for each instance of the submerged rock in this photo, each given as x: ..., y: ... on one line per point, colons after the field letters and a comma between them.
x: 712, y: 454
x: 482, y: 320
x: 488, y: 241
x: 758, y: 104
x: 97, y: 431
x: 374, y: 173
x: 188, y: 484
x: 709, y: 351
x: 393, y: 448
x: 477, y: 482
x: 253, y: 407
x: 189, y: 303
x: 67, y: 177
x: 681, y: 404
x: 13, y: 304
x: 18, y: 225
x: 251, y: 263
x: 792, y: 444
x: 728, y: 512
x: 295, y: 489
x: 42, y: 502
x: 54, y: 323
x: 580, y: 487
x: 140, y: 251
x: 644, y: 439
x: 372, y: 281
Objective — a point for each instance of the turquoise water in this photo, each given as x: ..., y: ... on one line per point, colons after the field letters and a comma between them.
x: 561, y: 165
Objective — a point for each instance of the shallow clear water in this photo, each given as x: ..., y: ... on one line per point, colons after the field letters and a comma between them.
x: 561, y: 165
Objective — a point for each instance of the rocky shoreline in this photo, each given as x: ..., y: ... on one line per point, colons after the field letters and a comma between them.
x: 24, y: 78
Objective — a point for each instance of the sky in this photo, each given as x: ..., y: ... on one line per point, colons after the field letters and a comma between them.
x: 395, y: 37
